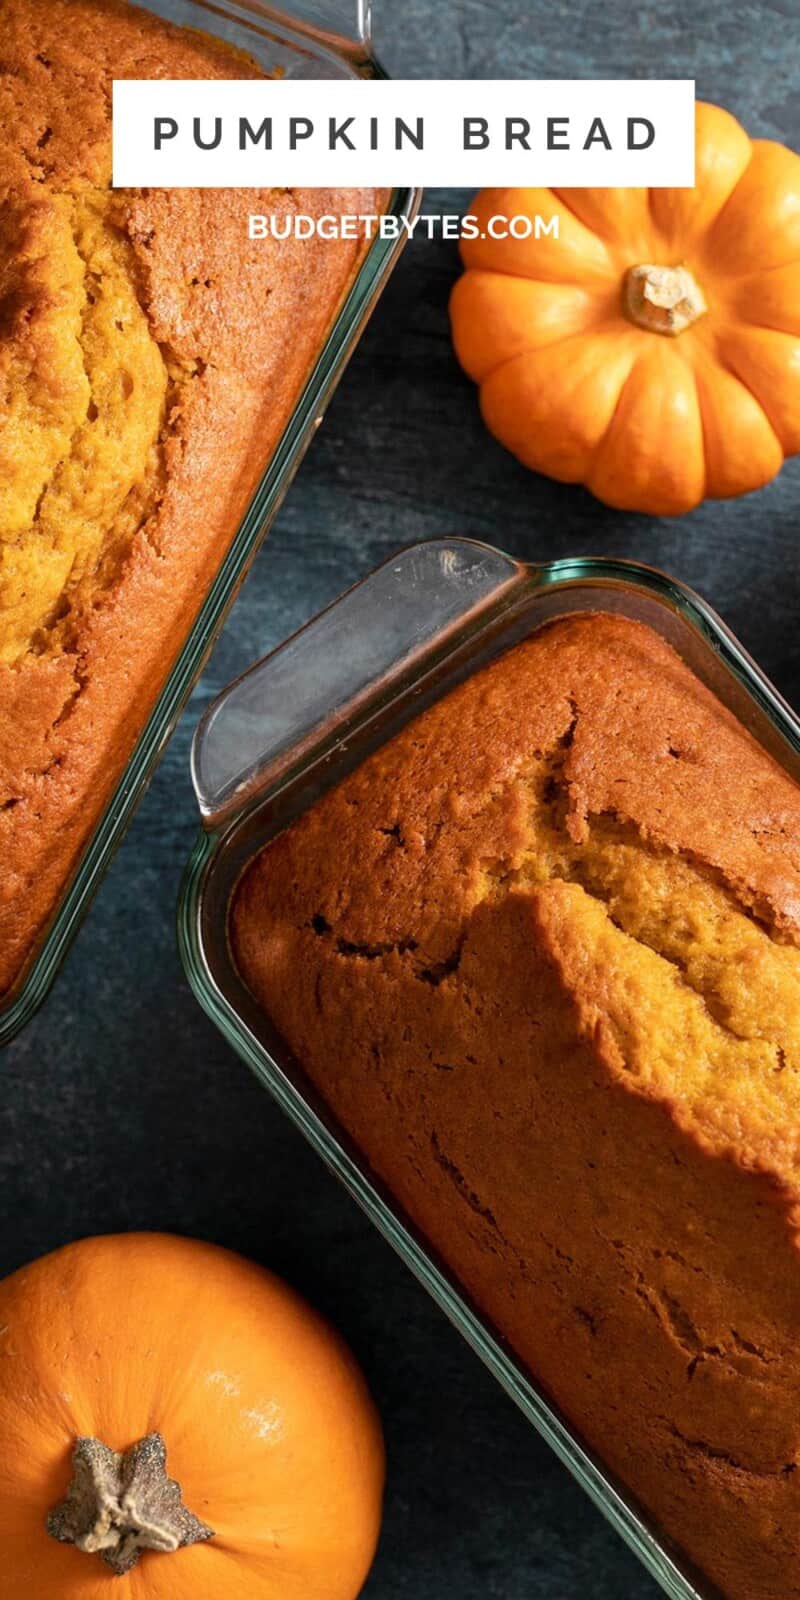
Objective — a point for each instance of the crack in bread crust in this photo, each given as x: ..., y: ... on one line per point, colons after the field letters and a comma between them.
x: 703, y: 933
x: 88, y: 448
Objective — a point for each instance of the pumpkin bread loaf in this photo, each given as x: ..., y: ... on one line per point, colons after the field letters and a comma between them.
x: 150, y: 355
x: 540, y: 955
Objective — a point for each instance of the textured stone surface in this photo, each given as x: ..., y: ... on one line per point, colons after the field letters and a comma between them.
x: 121, y: 1105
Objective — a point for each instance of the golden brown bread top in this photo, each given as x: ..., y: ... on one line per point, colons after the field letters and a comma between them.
x: 150, y: 354
x: 651, y: 846
x: 58, y: 63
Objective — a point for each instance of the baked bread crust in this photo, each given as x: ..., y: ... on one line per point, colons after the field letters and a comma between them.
x: 151, y: 355
x: 539, y: 953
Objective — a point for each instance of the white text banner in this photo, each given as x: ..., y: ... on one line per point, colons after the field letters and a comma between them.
x: 265, y: 133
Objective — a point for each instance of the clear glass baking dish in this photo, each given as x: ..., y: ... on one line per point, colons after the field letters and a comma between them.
x: 300, y: 719
x: 328, y: 39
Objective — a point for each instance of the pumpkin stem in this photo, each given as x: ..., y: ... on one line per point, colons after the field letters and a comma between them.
x: 117, y: 1506
x: 662, y: 299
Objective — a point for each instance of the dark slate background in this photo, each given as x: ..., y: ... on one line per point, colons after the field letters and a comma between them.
x: 121, y: 1105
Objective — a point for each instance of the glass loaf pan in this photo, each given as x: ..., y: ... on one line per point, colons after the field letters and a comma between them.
x: 328, y: 39
x: 299, y: 720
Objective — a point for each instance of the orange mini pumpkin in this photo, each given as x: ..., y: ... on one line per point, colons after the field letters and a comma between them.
x: 119, y: 1349
x: 652, y: 350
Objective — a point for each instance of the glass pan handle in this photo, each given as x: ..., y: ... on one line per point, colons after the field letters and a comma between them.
x: 313, y: 682
x: 343, y: 26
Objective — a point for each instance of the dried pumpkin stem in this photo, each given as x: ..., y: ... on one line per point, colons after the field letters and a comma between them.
x: 118, y: 1506
x: 662, y: 299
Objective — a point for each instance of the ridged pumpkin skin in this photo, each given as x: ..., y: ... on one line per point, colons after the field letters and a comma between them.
x: 268, y: 1424
x: 576, y: 390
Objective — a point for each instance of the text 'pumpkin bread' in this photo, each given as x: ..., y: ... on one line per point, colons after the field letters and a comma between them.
x: 540, y: 955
